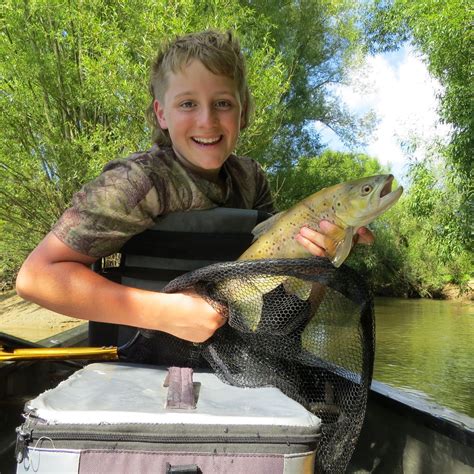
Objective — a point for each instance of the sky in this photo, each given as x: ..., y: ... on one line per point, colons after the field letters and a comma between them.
x: 398, y: 88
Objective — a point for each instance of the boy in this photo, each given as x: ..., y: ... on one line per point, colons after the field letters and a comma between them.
x: 200, y: 102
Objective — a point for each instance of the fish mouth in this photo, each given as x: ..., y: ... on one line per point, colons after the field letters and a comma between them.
x: 381, y: 200
x: 387, y: 197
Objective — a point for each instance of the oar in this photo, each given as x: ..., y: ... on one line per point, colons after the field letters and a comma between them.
x: 58, y: 353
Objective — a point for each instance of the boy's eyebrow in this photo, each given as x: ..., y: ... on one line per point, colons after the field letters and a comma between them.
x: 187, y: 93
x: 181, y: 94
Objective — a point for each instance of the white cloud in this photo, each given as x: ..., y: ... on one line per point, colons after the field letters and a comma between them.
x: 403, y: 95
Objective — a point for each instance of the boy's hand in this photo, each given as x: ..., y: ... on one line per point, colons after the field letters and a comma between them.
x: 316, y: 242
x: 191, y: 317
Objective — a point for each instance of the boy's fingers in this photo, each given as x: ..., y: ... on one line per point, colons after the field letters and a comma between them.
x: 309, y: 236
x: 312, y: 248
x: 313, y: 241
x: 313, y: 236
x: 328, y: 227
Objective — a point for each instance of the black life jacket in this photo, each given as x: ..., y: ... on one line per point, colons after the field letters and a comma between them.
x: 176, y: 244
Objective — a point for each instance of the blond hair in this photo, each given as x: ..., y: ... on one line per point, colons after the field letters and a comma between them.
x: 219, y: 52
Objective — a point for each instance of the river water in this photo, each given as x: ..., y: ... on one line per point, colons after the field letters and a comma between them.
x: 427, y: 347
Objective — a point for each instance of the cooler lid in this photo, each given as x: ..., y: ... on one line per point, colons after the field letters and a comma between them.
x: 115, y: 393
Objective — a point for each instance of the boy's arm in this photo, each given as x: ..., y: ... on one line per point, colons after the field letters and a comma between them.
x: 60, y: 279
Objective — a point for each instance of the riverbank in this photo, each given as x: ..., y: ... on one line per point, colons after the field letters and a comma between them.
x: 453, y: 292
x: 449, y: 292
x: 29, y: 321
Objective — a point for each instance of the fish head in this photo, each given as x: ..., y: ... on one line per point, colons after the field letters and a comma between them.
x: 358, y: 202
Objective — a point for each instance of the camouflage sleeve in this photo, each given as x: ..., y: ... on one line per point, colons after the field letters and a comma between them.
x: 108, y: 211
x: 263, y: 197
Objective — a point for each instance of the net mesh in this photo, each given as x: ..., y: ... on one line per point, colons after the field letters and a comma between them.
x: 300, y: 325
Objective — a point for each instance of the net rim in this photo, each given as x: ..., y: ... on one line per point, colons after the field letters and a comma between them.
x: 315, y: 269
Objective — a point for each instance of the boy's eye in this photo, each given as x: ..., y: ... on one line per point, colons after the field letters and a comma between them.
x: 223, y: 104
x: 187, y: 104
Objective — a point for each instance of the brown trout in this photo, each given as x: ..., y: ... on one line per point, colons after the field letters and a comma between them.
x: 349, y: 205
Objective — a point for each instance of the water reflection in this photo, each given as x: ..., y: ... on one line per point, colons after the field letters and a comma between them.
x: 427, y: 346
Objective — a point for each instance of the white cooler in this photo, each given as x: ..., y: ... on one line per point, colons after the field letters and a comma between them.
x: 123, y: 418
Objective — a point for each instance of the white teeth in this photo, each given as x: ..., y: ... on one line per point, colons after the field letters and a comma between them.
x: 206, y: 141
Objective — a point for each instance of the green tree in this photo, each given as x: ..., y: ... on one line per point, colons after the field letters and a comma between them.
x: 442, y: 31
x: 73, y: 91
x: 319, y: 41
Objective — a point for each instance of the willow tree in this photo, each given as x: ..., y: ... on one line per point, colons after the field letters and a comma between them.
x: 73, y: 91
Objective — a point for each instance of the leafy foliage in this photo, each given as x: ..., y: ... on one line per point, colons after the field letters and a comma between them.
x: 73, y: 91
x: 74, y: 88
x: 319, y: 40
x: 442, y: 31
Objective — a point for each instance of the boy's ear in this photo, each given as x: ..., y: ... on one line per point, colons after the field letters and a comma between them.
x: 160, y: 114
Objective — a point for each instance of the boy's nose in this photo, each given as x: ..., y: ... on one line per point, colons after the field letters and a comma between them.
x: 207, y: 117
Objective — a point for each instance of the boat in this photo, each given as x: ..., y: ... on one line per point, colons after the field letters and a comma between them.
x: 21, y: 381
x: 402, y: 432
x: 405, y: 433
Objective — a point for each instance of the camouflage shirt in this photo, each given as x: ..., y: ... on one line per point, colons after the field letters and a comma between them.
x: 131, y: 193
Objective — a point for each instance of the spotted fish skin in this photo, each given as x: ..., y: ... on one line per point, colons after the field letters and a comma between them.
x: 349, y: 205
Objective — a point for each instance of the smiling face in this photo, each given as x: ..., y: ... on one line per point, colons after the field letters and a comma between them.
x: 202, y: 113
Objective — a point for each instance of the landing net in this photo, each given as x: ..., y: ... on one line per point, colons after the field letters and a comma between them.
x: 300, y: 325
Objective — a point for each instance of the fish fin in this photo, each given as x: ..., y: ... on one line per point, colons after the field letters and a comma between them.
x: 250, y: 310
x: 339, y: 249
x: 267, y: 283
x: 297, y: 287
x: 247, y: 296
x: 261, y: 228
x: 251, y: 306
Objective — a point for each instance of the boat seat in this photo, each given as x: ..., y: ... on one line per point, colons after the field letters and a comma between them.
x: 178, y: 243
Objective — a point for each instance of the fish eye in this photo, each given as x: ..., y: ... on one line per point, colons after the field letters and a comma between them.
x: 366, y: 189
